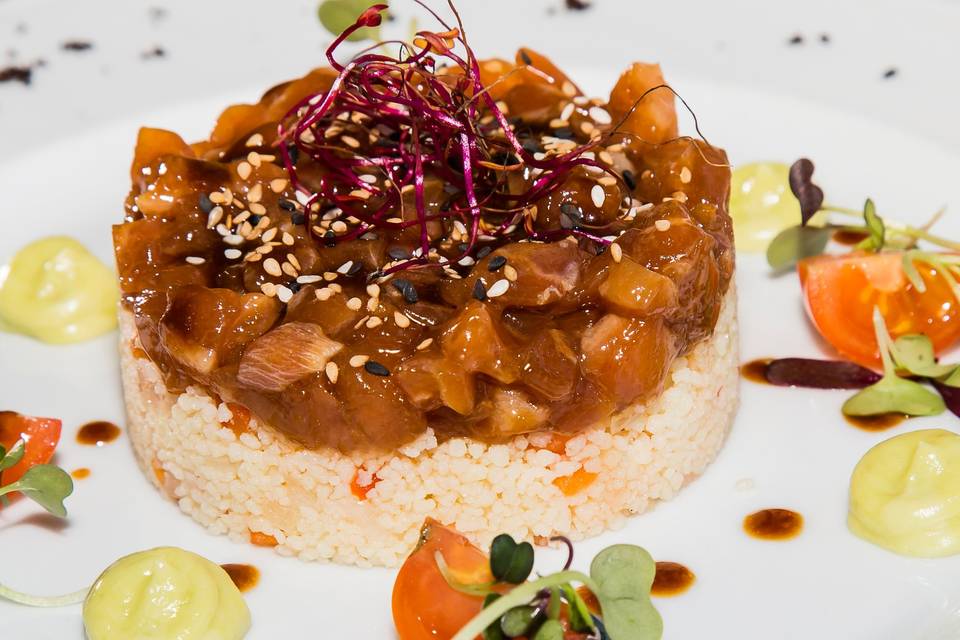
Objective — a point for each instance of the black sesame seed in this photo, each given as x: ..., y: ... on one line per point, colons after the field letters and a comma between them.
x: 525, y: 57
x: 629, y: 179
x: 406, y: 288
x: 77, y: 45
x: 530, y: 145
x: 572, y: 211
x: 354, y: 268
x: 484, y: 252
x: 376, y: 368
x: 398, y: 253
x: 298, y: 218
x: 294, y: 153
x: 254, y: 219
x: 451, y: 188
x: 479, y: 290
x: 286, y: 205
x: 331, y: 238
x: 205, y: 203
x: 889, y: 73
x: 496, y: 262
x: 293, y: 286
x: 462, y: 247
x: 825, y: 38
x: 563, y: 132
x: 795, y: 39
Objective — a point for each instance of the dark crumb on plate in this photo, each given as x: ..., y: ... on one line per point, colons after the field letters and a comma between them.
x: 889, y: 73
x: 77, y: 45
x: 577, y: 5
x: 795, y: 39
x: 157, y: 13
x: 153, y: 52
x: 21, y: 28
x: 16, y: 74
x: 825, y: 38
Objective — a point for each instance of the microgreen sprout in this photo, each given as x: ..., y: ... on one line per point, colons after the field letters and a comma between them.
x: 893, y: 394
x: 620, y: 578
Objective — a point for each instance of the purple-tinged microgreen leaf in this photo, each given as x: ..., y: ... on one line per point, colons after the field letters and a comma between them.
x: 892, y: 394
x: 819, y: 374
x: 809, y: 195
x: 950, y: 395
x: 796, y: 243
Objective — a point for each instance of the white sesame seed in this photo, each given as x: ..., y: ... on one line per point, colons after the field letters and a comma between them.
x: 401, y: 320
x: 269, y: 234
x: 607, y: 181
x: 233, y: 239
x: 339, y: 226
x: 567, y: 111
x: 598, y: 195
x: 271, y: 266
x: 616, y: 252
x: 685, y: 175
x: 254, y: 158
x: 232, y: 254
x: 195, y: 260
x: 372, y: 304
x: 255, y: 140
x: 587, y: 127
x: 374, y: 322
x: 302, y: 198
x: 466, y: 261
x: 292, y: 259
x: 214, y: 217
x: 373, y: 290
x: 600, y: 115
x: 568, y: 89
x: 345, y: 267
x: 255, y: 193
x: 330, y: 276
x: 354, y: 304
x: 269, y: 288
x: 324, y: 294
x: 332, y: 371
x: 287, y: 239
x: 358, y: 361
x: 350, y: 141
x: 498, y: 288
x: 284, y: 294
x: 333, y: 286
x: 244, y: 169
x: 217, y: 197
x: 258, y: 209
x: 308, y: 279
x: 264, y: 249
x: 369, y: 178
x: 662, y: 225
x: 289, y: 270
x: 277, y: 185
x: 510, y: 273
x: 425, y: 344
x: 605, y: 157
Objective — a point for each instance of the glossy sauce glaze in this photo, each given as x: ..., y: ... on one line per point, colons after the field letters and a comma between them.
x: 880, y: 422
x: 773, y: 524
x: 230, y: 290
x: 245, y: 576
x: 98, y: 433
x: 756, y: 370
x: 671, y: 579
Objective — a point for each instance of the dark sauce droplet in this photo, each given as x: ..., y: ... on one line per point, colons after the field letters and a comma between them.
x: 671, y: 579
x: 879, y: 422
x: 756, y: 370
x: 849, y: 237
x: 773, y: 524
x: 98, y: 433
x: 245, y: 576
x: 80, y: 474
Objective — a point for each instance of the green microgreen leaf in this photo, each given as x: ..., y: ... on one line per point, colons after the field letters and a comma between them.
x: 468, y: 589
x: 492, y: 632
x: 892, y: 394
x: 578, y: 611
x: 796, y: 243
x: 12, y: 457
x: 914, y: 353
x: 510, y: 562
x: 549, y: 630
x: 518, y: 621
x: 952, y: 380
x: 623, y: 575
x: 337, y: 15
x: 555, y: 605
x: 46, y: 484
x: 875, y: 227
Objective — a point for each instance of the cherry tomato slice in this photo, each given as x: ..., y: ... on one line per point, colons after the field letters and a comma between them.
x: 40, y: 436
x: 841, y: 292
x: 425, y: 607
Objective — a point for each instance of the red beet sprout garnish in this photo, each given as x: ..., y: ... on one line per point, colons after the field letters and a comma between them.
x: 565, y: 540
x: 950, y: 395
x: 422, y: 113
x: 819, y: 374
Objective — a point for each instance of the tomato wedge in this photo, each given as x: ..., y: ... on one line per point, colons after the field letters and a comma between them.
x: 40, y: 437
x: 841, y: 292
x: 425, y: 607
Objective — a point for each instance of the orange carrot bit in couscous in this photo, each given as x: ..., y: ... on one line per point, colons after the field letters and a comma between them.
x: 360, y: 491
x: 575, y: 482
x: 558, y: 443
x: 261, y: 539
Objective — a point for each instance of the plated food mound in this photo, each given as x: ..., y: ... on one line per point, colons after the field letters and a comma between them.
x: 428, y: 285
